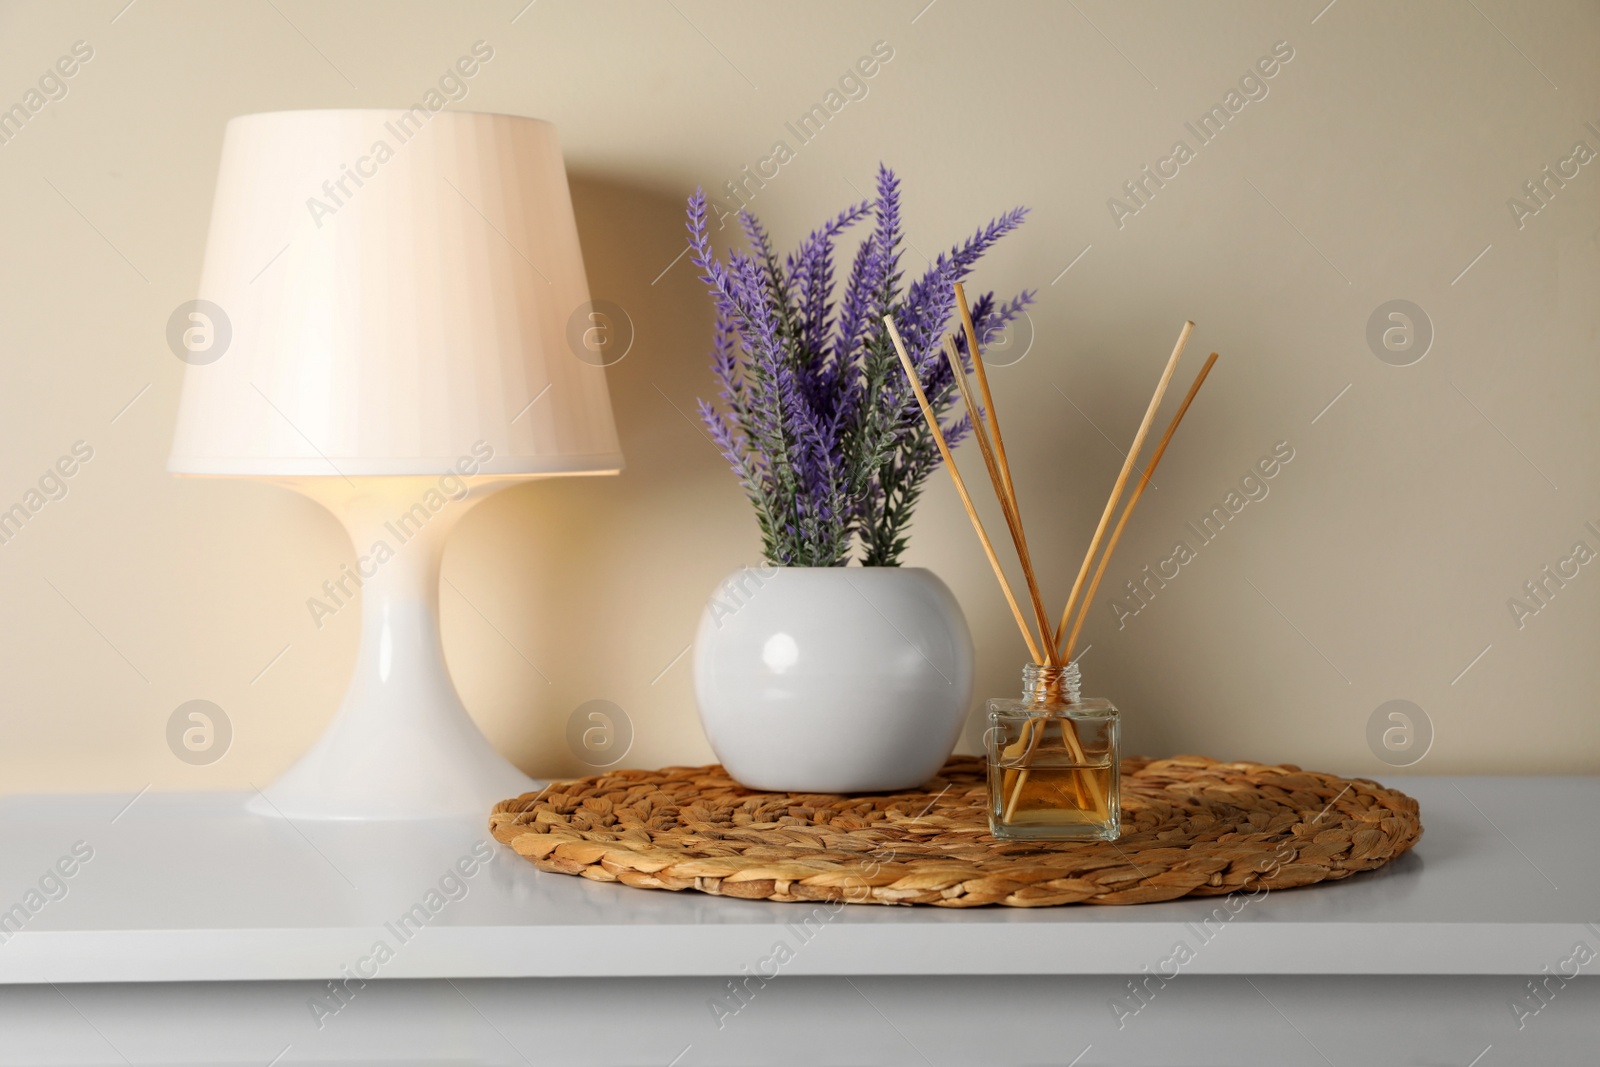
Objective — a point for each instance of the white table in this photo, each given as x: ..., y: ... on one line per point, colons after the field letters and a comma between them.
x: 197, y: 933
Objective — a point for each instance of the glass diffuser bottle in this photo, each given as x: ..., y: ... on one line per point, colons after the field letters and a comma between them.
x: 1053, y: 773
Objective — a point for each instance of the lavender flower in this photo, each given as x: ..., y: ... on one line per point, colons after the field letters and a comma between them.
x: 817, y: 419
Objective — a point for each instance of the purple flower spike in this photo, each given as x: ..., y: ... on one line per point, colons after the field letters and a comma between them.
x: 818, y: 422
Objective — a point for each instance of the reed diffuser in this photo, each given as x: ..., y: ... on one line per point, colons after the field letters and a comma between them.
x: 1052, y: 755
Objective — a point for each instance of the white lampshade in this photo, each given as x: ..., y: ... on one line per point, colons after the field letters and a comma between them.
x: 398, y: 286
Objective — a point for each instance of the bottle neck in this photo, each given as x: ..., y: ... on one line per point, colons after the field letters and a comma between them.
x: 1043, y: 685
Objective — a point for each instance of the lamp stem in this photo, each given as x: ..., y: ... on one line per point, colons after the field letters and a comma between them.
x: 402, y: 745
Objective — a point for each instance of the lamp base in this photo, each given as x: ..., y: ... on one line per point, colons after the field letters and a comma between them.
x: 402, y: 745
x: 420, y: 762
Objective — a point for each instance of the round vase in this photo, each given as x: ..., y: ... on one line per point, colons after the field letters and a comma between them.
x: 833, y: 679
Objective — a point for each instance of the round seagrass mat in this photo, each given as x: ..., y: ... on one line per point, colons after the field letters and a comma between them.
x: 1190, y: 826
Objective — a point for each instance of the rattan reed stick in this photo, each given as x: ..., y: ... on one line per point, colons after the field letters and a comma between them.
x: 1122, y: 477
x: 988, y: 398
x: 992, y: 415
x: 1000, y: 477
x: 961, y: 488
x: 1133, y: 498
x: 1008, y: 505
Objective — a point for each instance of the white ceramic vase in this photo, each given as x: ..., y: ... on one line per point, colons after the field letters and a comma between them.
x: 833, y: 679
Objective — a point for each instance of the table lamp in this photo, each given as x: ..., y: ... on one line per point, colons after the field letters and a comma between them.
x: 383, y: 325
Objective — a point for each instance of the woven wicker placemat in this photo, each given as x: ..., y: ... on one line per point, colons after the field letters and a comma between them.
x: 1190, y: 826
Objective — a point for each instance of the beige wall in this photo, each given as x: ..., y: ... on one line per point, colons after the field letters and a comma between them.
x: 1378, y: 167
